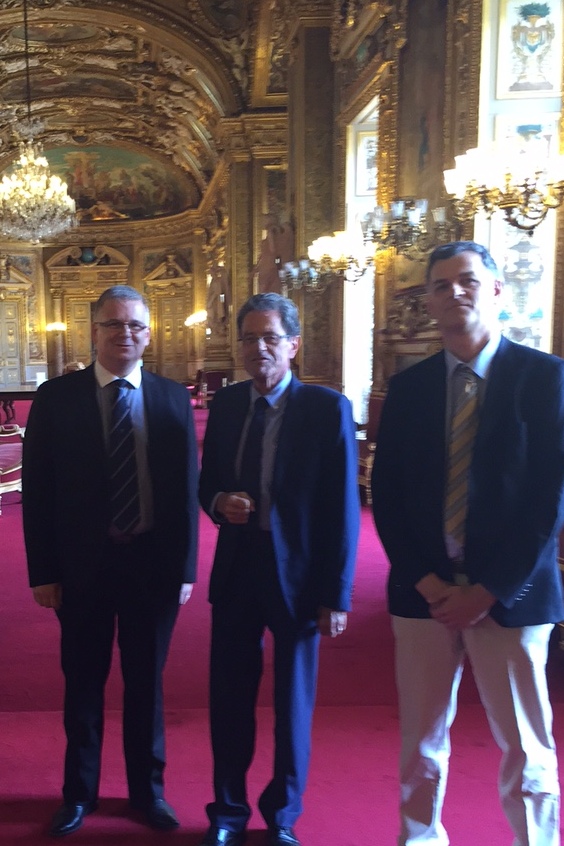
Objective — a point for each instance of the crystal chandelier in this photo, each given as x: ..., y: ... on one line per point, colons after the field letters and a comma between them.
x: 34, y: 204
x: 404, y: 228
x: 521, y: 185
x: 329, y: 257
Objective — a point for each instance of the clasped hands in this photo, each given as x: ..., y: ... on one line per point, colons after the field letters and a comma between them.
x: 455, y: 606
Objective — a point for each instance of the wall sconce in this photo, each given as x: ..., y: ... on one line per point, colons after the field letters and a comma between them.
x: 520, y: 183
x: 57, y: 326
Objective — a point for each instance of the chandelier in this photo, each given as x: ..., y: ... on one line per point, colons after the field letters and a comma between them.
x: 341, y: 255
x: 404, y: 228
x: 34, y: 204
x: 521, y: 185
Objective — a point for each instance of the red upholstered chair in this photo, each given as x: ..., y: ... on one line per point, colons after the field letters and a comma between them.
x: 367, y: 436
x: 10, y: 459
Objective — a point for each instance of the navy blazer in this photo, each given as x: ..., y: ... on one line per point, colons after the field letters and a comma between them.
x: 314, y: 495
x: 516, y: 484
x: 66, y: 500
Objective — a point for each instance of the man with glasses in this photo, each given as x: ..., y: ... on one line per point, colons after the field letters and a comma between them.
x: 111, y: 519
x: 279, y: 477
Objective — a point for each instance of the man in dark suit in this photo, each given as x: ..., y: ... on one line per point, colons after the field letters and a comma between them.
x: 95, y: 559
x: 474, y: 574
x: 289, y: 520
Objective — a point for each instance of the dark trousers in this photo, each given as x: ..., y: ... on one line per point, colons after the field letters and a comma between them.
x: 252, y: 603
x: 128, y: 593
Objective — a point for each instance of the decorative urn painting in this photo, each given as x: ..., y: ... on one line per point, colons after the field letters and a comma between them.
x: 531, y: 34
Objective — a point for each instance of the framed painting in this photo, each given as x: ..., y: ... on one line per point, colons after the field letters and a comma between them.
x: 366, y: 171
x: 539, y: 135
x: 529, y: 55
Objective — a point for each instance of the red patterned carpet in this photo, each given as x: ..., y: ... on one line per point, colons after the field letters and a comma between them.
x: 352, y: 794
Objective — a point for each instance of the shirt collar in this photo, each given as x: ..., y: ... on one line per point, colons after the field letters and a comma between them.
x: 104, y: 377
x: 274, y: 396
x: 481, y: 363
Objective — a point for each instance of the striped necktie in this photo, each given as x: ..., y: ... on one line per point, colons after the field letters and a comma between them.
x: 251, y: 459
x: 124, y: 482
x: 464, y: 426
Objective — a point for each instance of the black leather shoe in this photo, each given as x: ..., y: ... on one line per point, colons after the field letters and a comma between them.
x: 223, y: 837
x: 160, y: 815
x: 280, y: 835
x: 70, y: 817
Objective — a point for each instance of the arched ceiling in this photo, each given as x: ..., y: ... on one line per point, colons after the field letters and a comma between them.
x: 155, y: 77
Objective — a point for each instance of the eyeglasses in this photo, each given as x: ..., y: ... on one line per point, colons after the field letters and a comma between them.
x: 270, y: 339
x: 119, y: 325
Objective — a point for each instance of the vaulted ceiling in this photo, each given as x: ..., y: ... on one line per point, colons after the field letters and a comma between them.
x: 152, y: 77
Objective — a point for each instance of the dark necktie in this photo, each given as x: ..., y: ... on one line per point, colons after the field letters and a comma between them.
x: 124, y: 482
x: 251, y: 459
x: 464, y: 426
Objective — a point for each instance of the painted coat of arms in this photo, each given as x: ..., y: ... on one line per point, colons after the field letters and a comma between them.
x: 532, y: 39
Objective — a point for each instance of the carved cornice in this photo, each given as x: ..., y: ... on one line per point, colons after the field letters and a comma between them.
x: 254, y: 136
x: 179, y: 226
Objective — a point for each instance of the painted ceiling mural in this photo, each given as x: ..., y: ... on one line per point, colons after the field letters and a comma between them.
x: 110, y: 183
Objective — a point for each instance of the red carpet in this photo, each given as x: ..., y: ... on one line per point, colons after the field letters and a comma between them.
x: 352, y: 794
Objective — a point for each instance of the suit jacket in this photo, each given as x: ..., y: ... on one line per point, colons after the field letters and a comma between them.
x: 315, y: 503
x: 66, y: 500
x: 516, y: 483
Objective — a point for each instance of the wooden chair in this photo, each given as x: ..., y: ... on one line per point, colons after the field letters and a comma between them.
x: 367, y: 436
x: 11, y: 449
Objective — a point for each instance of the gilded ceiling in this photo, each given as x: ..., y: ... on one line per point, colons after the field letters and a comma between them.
x: 155, y: 78
x: 165, y: 80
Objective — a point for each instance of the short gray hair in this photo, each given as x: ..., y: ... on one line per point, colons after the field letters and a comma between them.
x: 119, y: 292
x: 289, y: 315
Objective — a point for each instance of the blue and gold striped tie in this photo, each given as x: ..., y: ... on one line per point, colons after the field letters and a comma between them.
x: 464, y: 426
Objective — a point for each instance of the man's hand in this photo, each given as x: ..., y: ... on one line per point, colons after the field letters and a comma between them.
x: 49, y: 596
x: 432, y: 588
x: 185, y: 593
x: 462, y: 606
x: 236, y: 507
x: 331, y: 623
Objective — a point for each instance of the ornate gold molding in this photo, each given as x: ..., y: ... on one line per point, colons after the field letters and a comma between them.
x: 254, y: 136
x: 462, y: 77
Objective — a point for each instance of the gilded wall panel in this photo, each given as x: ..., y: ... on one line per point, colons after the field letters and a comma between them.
x: 462, y: 77
x: 421, y: 85
x: 240, y: 242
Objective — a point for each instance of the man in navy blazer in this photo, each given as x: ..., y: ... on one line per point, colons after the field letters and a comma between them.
x: 94, y: 573
x: 284, y: 561
x: 496, y: 596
